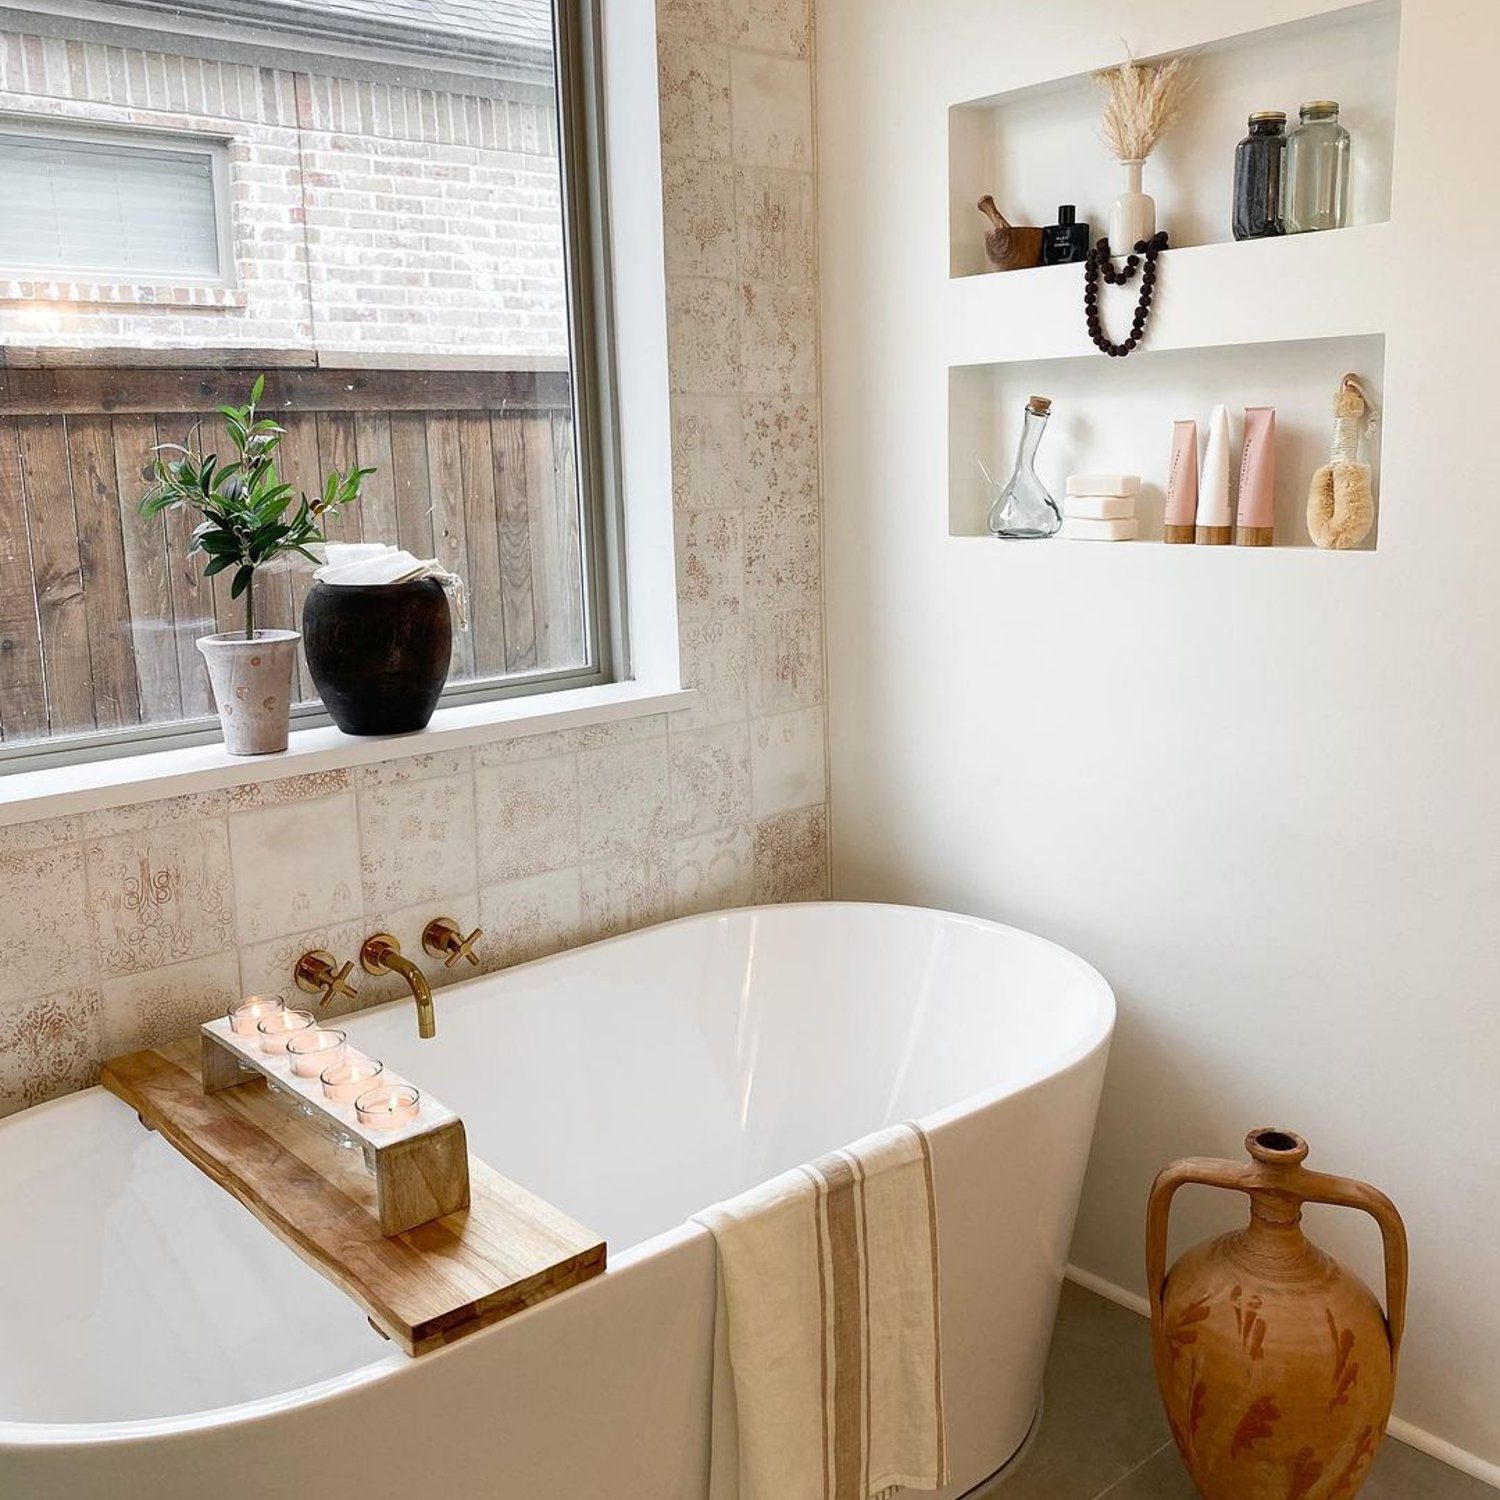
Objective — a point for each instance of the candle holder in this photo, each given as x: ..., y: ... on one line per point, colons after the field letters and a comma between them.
x: 279, y: 1027
x: 389, y: 1106
x: 311, y: 1051
x: 415, y: 1147
x: 352, y: 1075
x: 245, y: 1015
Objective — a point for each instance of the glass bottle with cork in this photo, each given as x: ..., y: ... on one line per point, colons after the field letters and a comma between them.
x: 1023, y: 510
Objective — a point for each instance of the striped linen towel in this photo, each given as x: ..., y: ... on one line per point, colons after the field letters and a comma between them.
x: 827, y: 1358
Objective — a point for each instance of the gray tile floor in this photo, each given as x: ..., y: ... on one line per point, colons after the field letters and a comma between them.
x: 1102, y: 1431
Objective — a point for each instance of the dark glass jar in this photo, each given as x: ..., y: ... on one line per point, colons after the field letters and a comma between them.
x: 1259, y: 171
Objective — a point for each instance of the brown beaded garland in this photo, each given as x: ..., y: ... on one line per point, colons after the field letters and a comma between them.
x: 1098, y: 263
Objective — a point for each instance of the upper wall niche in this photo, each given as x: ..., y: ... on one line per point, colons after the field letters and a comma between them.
x: 1037, y: 147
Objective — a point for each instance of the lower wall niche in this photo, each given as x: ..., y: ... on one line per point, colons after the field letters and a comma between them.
x: 1116, y: 415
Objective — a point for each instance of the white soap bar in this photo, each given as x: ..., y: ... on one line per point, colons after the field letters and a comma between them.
x: 1104, y: 484
x: 1100, y: 507
x: 1123, y: 530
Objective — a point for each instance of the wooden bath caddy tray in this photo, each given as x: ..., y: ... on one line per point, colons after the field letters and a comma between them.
x: 424, y: 1287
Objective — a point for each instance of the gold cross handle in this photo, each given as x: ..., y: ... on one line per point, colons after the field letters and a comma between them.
x: 317, y: 973
x: 443, y: 938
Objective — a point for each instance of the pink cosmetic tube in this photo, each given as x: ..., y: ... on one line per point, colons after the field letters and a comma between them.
x: 1182, y: 483
x: 1257, y: 512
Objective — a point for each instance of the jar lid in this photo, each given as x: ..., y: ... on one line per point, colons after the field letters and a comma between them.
x: 1320, y: 107
x: 1262, y: 115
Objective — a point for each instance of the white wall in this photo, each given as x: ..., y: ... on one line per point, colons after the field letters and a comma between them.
x: 1259, y: 791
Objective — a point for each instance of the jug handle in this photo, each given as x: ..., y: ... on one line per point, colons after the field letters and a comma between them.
x: 1202, y: 1171
x: 1311, y: 1187
x: 1345, y: 1192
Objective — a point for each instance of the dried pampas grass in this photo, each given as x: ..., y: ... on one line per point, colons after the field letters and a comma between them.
x: 1142, y: 102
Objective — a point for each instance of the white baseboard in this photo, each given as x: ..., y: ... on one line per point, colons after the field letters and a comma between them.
x: 1415, y: 1437
x: 1108, y: 1290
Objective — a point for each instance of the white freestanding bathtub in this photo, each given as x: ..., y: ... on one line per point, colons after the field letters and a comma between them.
x: 157, y: 1342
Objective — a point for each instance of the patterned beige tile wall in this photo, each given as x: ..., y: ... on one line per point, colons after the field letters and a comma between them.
x: 125, y: 927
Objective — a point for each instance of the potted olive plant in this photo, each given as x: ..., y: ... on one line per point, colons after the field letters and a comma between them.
x: 251, y: 519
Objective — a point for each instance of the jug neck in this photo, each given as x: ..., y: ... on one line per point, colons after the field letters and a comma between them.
x: 1276, y: 1210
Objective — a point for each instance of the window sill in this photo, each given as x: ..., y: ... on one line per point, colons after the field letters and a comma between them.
x: 59, y: 791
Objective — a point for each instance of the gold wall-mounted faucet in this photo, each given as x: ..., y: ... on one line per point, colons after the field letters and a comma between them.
x: 317, y: 973
x: 381, y: 954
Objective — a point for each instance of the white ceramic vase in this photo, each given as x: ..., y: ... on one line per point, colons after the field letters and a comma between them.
x: 252, y: 683
x: 1133, y: 216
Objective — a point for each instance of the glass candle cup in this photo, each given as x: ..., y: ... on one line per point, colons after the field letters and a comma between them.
x: 352, y: 1075
x: 388, y: 1106
x: 310, y: 1051
x: 280, y: 1026
x: 245, y: 1015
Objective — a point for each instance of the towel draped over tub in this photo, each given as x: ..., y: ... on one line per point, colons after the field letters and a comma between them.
x: 827, y: 1354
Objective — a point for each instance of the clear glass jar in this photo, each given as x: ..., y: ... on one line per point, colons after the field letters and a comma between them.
x: 1259, y: 163
x: 1317, y: 171
x: 1023, y: 510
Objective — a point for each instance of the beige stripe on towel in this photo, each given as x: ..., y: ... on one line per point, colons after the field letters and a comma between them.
x: 828, y: 1366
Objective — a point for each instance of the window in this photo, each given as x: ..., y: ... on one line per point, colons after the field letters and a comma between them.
x: 409, y: 200
x: 122, y: 206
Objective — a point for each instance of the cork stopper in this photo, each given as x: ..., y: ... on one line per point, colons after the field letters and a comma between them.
x: 1040, y: 405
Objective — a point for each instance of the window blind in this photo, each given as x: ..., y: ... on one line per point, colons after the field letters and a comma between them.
x: 83, y: 206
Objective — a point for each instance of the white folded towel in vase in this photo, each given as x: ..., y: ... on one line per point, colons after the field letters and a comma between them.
x: 827, y: 1349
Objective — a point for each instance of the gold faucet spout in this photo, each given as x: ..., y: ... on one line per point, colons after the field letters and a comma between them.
x: 381, y: 954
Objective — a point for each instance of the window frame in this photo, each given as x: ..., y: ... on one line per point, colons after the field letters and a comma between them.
x: 142, y: 139
x: 583, y: 108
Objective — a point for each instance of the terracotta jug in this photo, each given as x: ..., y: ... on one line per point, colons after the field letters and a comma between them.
x: 1276, y: 1365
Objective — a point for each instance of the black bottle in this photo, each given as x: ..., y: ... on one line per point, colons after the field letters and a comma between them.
x: 1066, y: 241
x: 1259, y: 167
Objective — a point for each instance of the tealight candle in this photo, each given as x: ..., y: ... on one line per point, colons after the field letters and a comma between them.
x: 310, y: 1051
x: 352, y: 1075
x: 278, y: 1027
x: 245, y: 1015
x: 388, y: 1106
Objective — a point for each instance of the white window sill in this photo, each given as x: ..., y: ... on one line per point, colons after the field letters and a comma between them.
x: 60, y: 791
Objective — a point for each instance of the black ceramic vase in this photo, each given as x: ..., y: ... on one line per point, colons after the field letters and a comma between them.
x: 378, y: 653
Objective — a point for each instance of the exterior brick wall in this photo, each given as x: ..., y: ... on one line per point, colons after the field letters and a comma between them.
x: 366, y: 216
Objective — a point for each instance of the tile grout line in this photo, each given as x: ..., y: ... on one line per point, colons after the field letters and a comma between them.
x: 1130, y: 1473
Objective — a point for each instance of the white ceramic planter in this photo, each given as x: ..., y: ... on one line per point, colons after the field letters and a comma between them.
x: 252, y: 683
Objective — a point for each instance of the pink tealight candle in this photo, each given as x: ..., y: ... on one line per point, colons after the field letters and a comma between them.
x: 352, y: 1075
x: 245, y: 1015
x: 280, y: 1026
x: 310, y: 1051
x: 388, y: 1106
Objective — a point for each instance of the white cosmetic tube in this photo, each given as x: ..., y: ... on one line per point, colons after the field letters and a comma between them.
x: 1215, y: 518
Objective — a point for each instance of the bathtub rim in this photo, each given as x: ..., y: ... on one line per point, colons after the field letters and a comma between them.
x: 1094, y: 1041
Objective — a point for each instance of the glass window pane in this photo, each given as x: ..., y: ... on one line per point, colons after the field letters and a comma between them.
x: 400, y: 276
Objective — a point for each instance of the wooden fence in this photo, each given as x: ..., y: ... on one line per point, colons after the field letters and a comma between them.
x: 99, y: 608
